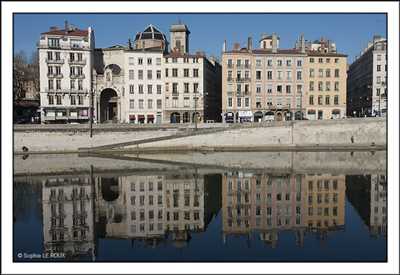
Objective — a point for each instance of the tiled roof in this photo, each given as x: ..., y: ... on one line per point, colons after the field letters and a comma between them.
x: 76, y: 32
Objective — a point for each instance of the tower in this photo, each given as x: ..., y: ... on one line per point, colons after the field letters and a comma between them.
x: 179, y: 38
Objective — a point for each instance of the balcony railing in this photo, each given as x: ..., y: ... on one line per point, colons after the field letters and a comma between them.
x: 54, y: 61
x: 77, y: 62
x: 60, y: 75
x: 78, y: 76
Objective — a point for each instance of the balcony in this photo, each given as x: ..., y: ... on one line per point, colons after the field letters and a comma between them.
x: 77, y: 62
x: 77, y: 76
x: 54, y: 75
x: 54, y: 61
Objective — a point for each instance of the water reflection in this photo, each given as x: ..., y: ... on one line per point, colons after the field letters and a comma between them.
x: 86, y: 215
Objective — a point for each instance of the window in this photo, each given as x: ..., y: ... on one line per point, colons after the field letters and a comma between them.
x: 269, y: 88
x: 54, y: 42
x: 186, y: 72
x: 246, y: 75
x: 269, y: 62
x: 140, y: 61
x: 288, y: 89
x: 140, y: 74
x: 279, y: 75
x: 174, y: 72
x: 131, y: 89
x: 336, y: 72
x: 72, y: 84
x: 279, y: 88
x: 246, y: 102
x: 229, y: 102
x: 328, y: 60
x: 336, y: 60
x: 336, y: 86
x: 328, y: 73
x: 311, y: 88
x: 258, y: 88
x: 311, y: 60
x: 258, y: 62
x: 239, y: 102
x: 327, y: 100
x: 132, y: 104
x: 320, y: 100
x: 320, y: 73
x: 336, y: 100
x: 186, y: 87
x: 131, y: 74
x: 58, y: 84
x: 140, y: 89
x: 73, y: 100
x: 230, y: 63
x: 141, y: 103
x: 166, y: 72
x: 174, y: 88
x: 258, y: 75
x: 279, y: 63
x: 378, y: 79
x: 58, y: 99
x: 288, y: 62
x: 320, y: 60
x: 327, y: 86
x: 269, y: 75
x: 149, y: 74
x: 149, y: 89
x: 150, y: 104
x: 186, y: 102
x: 378, y: 91
x: 159, y: 104
x: 299, y: 88
x: 299, y: 76
x: 299, y: 63
x: 131, y: 61
x: 379, y: 57
x: 174, y: 60
x: 149, y: 61
x: 195, y: 72
x: 195, y: 87
x: 311, y: 100
x: 49, y: 55
x: 80, y: 84
x: 289, y: 75
x: 79, y: 56
x: 158, y: 89
x: 51, y: 99
x: 320, y: 86
x: 80, y: 99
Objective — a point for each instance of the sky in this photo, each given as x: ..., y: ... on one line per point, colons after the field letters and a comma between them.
x: 350, y: 32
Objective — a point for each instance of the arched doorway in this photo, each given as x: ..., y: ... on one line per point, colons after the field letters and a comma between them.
x: 196, y: 116
x: 298, y: 115
x: 258, y: 116
x: 269, y: 116
x: 278, y: 116
x: 175, y: 118
x: 108, y: 105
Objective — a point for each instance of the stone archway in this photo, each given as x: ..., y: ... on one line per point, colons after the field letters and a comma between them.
x: 279, y: 116
x: 175, y: 118
x: 108, y: 105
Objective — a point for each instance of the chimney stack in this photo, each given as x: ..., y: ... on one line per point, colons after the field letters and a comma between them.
x: 274, y: 43
x: 66, y: 26
x: 302, y: 43
x: 249, y: 44
x: 224, y: 46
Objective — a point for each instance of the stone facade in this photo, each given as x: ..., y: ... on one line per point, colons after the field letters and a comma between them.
x: 367, y: 81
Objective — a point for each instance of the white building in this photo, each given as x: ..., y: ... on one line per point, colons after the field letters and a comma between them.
x: 139, y: 83
x: 367, y: 81
x: 66, y: 59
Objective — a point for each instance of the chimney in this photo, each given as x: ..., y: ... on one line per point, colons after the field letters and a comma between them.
x: 224, y: 46
x: 249, y: 44
x: 302, y: 43
x: 329, y: 46
x: 274, y: 43
x: 66, y: 26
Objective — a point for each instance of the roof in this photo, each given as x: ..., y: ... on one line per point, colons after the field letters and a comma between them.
x: 179, y: 28
x: 317, y: 53
x: 151, y: 32
x: 74, y: 32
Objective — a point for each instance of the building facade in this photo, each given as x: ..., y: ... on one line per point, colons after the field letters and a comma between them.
x: 142, y: 82
x: 367, y: 81
x: 65, y: 62
x: 269, y: 83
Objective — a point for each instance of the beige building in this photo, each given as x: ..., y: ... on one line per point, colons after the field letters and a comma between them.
x: 269, y: 83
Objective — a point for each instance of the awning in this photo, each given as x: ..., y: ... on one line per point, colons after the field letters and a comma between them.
x: 132, y: 117
x: 245, y: 114
x: 150, y: 116
x: 140, y: 116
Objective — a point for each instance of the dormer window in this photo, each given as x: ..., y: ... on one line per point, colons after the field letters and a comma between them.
x: 54, y: 42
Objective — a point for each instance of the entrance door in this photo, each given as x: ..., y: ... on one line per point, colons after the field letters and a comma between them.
x: 320, y: 115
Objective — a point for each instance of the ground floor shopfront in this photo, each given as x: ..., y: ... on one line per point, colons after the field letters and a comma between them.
x: 260, y: 115
x: 325, y: 113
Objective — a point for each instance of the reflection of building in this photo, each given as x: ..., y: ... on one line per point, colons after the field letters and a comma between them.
x: 68, y: 224
x: 154, y: 208
x: 324, y: 202
x: 265, y: 203
x: 368, y: 195
x: 367, y: 81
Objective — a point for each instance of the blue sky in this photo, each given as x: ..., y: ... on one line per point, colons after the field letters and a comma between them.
x: 351, y: 32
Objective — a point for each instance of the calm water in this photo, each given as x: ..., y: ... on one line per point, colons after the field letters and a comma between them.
x: 196, y: 215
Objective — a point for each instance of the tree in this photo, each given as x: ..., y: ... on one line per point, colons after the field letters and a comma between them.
x: 19, y: 74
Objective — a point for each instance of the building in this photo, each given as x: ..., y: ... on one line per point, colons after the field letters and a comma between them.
x: 269, y: 83
x: 66, y: 62
x: 144, y: 81
x: 367, y: 81
x: 325, y: 95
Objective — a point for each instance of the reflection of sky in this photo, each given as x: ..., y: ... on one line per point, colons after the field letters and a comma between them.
x: 352, y: 244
